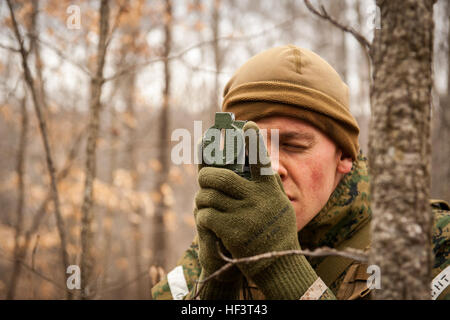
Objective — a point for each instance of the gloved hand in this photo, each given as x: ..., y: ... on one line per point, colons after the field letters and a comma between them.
x: 254, y: 217
x: 225, y: 286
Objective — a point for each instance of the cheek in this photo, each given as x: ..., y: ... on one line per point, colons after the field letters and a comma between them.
x: 321, y: 174
x: 317, y: 177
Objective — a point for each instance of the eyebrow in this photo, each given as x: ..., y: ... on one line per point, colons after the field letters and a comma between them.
x: 294, y: 135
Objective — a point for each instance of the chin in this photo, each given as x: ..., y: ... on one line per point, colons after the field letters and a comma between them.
x: 301, y: 217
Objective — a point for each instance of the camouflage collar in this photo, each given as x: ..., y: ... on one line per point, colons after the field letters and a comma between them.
x: 347, y: 210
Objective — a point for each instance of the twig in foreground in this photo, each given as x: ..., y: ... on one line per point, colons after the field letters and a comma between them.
x: 350, y: 253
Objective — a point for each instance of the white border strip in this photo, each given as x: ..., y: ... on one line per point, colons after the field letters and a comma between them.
x: 315, y: 291
x: 440, y: 282
x: 177, y: 283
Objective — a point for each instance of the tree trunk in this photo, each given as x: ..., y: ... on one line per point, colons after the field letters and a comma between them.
x: 21, y: 156
x: 37, y: 103
x: 445, y: 109
x: 87, y: 256
x: 218, y: 58
x: 441, y: 134
x: 399, y: 149
x: 109, y: 219
x: 132, y: 167
x: 35, y: 48
x: 159, y: 233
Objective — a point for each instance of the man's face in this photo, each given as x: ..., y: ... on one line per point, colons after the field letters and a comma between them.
x: 310, y: 165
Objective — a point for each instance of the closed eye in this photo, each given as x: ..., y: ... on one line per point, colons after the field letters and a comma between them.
x: 294, y: 147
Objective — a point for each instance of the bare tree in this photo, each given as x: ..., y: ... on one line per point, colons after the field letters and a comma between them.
x: 400, y: 150
x: 108, y: 221
x: 44, y: 134
x: 132, y: 152
x: 20, y: 169
x: 399, y: 145
x: 218, y: 55
x: 159, y: 244
x: 39, y: 215
x: 441, y: 129
x: 87, y: 245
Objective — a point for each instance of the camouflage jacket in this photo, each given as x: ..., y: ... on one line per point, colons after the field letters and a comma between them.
x: 340, y: 220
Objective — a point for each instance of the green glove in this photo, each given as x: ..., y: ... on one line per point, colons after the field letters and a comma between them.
x: 251, y: 218
x: 225, y: 286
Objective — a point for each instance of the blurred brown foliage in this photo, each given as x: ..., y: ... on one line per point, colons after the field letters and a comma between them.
x: 209, y: 39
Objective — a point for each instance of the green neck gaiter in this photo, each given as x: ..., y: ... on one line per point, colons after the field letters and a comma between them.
x: 347, y: 211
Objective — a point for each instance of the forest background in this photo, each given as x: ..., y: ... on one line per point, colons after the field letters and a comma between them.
x: 112, y: 80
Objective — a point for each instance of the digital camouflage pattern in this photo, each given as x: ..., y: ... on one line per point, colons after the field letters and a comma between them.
x: 346, y: 212
x: 191, y: 270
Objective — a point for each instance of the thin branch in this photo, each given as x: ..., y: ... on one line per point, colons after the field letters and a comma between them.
x: 10, y: 94
x: 32, y: 270
x: 122, y: 9
x: 6, y: 47
x: 33, y: 265
x: 323, y: 14
x: 62, y: 174
x: 201, y: 69
x: 349, y: 253
x: 34, y: 251
x: 62, y: 55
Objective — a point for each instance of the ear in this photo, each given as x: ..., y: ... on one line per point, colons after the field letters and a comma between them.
x: 344, y: 164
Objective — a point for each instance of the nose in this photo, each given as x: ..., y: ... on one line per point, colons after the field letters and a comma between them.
x: 281, y: 170
x: 277, y: 165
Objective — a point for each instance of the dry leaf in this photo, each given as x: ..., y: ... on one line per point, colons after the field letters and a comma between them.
x: 122, y: 263
x: 155, y: 165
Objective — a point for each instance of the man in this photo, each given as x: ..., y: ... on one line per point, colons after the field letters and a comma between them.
x: 319, y: 196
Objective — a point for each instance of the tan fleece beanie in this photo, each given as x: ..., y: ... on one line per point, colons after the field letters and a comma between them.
x: 294, y: 82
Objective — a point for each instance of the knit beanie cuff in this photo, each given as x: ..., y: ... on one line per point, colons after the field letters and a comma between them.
x: 343, y: 132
